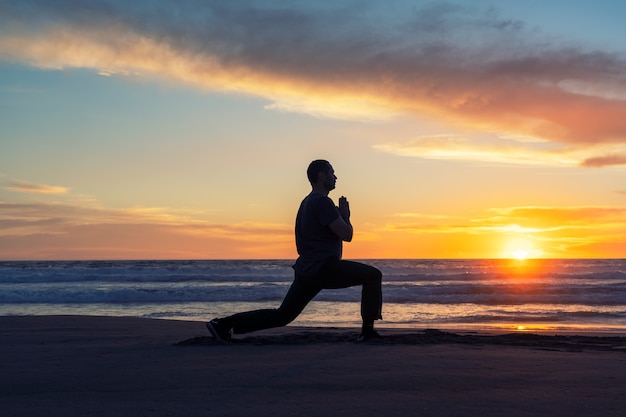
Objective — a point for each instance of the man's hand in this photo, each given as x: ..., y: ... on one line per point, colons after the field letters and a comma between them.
x: 344, y: 209
x: 341, y: 226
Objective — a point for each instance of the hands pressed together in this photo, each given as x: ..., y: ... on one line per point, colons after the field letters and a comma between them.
x: 344, y: 208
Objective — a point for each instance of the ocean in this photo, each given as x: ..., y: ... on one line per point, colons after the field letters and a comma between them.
x: 537, y: 295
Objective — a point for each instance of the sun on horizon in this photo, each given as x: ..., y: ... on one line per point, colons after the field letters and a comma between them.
x: 520, y: 254
x: 520, y: 248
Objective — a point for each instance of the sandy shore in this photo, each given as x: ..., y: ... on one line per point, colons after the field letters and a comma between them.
x: 99, y: 366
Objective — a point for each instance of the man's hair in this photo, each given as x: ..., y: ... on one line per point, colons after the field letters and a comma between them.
x: 315, y: 167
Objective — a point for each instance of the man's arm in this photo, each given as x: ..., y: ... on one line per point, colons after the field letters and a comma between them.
x: 341, y: 225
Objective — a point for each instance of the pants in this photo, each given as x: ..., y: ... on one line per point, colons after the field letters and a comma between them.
x: 336, y: 274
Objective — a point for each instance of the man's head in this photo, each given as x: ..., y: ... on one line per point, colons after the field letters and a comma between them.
x: 321, y: 172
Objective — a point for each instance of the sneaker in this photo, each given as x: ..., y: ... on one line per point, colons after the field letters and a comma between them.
x: 369, y: 334
x: 219, y: 331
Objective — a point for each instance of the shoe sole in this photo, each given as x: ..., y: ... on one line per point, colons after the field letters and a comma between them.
x: 215, y: 334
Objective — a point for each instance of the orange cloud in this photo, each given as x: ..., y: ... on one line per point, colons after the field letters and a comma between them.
x: 27, y: 187
x: 73, y: 231
x: 587, y: 231
x: 450, y: 62
x: 137, y: 241
x: 70, y: 231
x: 601, y: 161
x: 502, y: 150
x: 550, y: 217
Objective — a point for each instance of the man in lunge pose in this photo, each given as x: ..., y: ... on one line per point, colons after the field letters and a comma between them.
x: 321, y: 227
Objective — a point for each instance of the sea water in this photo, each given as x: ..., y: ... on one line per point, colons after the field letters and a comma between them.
x: 519, y: 295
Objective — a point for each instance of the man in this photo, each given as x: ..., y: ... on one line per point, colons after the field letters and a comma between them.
x: 320, y: 229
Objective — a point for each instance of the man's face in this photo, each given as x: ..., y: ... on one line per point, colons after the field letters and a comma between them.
x: 329, y: 178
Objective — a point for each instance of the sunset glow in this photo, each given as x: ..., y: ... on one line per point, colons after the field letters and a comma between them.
x: 521, y: 254
x: 182, y: 130
x: 521, y: 248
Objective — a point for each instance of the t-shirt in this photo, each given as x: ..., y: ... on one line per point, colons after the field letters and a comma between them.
x: 315, y: 242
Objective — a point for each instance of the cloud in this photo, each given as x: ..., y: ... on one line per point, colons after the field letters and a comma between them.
x: 73, y: 231
x: 27, y: 187
x: 561, y: 215
x: 464, y: 65
x: 607, y: 160
x: 584, y: 231
x: 508, y: 150
x: 500, y: 150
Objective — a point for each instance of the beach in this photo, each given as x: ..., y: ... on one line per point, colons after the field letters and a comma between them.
x: 112, y: 366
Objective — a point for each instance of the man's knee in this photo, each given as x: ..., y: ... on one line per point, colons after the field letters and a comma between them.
x: 376, y: 275
x: 284, y: 317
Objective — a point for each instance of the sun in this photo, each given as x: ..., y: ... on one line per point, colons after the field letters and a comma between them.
x: 520, y: 248
x: 520, y: 255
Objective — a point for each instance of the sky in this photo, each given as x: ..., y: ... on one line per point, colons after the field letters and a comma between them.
x: 182, y: 130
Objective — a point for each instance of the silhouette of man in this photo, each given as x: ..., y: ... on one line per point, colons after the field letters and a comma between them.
x: 321, y: 228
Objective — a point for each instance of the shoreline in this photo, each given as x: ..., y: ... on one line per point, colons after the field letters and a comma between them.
x: 537, y: 328
x: 111, y: 366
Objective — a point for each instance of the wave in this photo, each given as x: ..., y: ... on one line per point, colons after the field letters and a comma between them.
x: 414, y: 271
x: 446, y: 282
x: 106, y: 292
x: 144, y: 271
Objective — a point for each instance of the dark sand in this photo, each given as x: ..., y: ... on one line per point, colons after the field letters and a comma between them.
x: 103, y: 366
